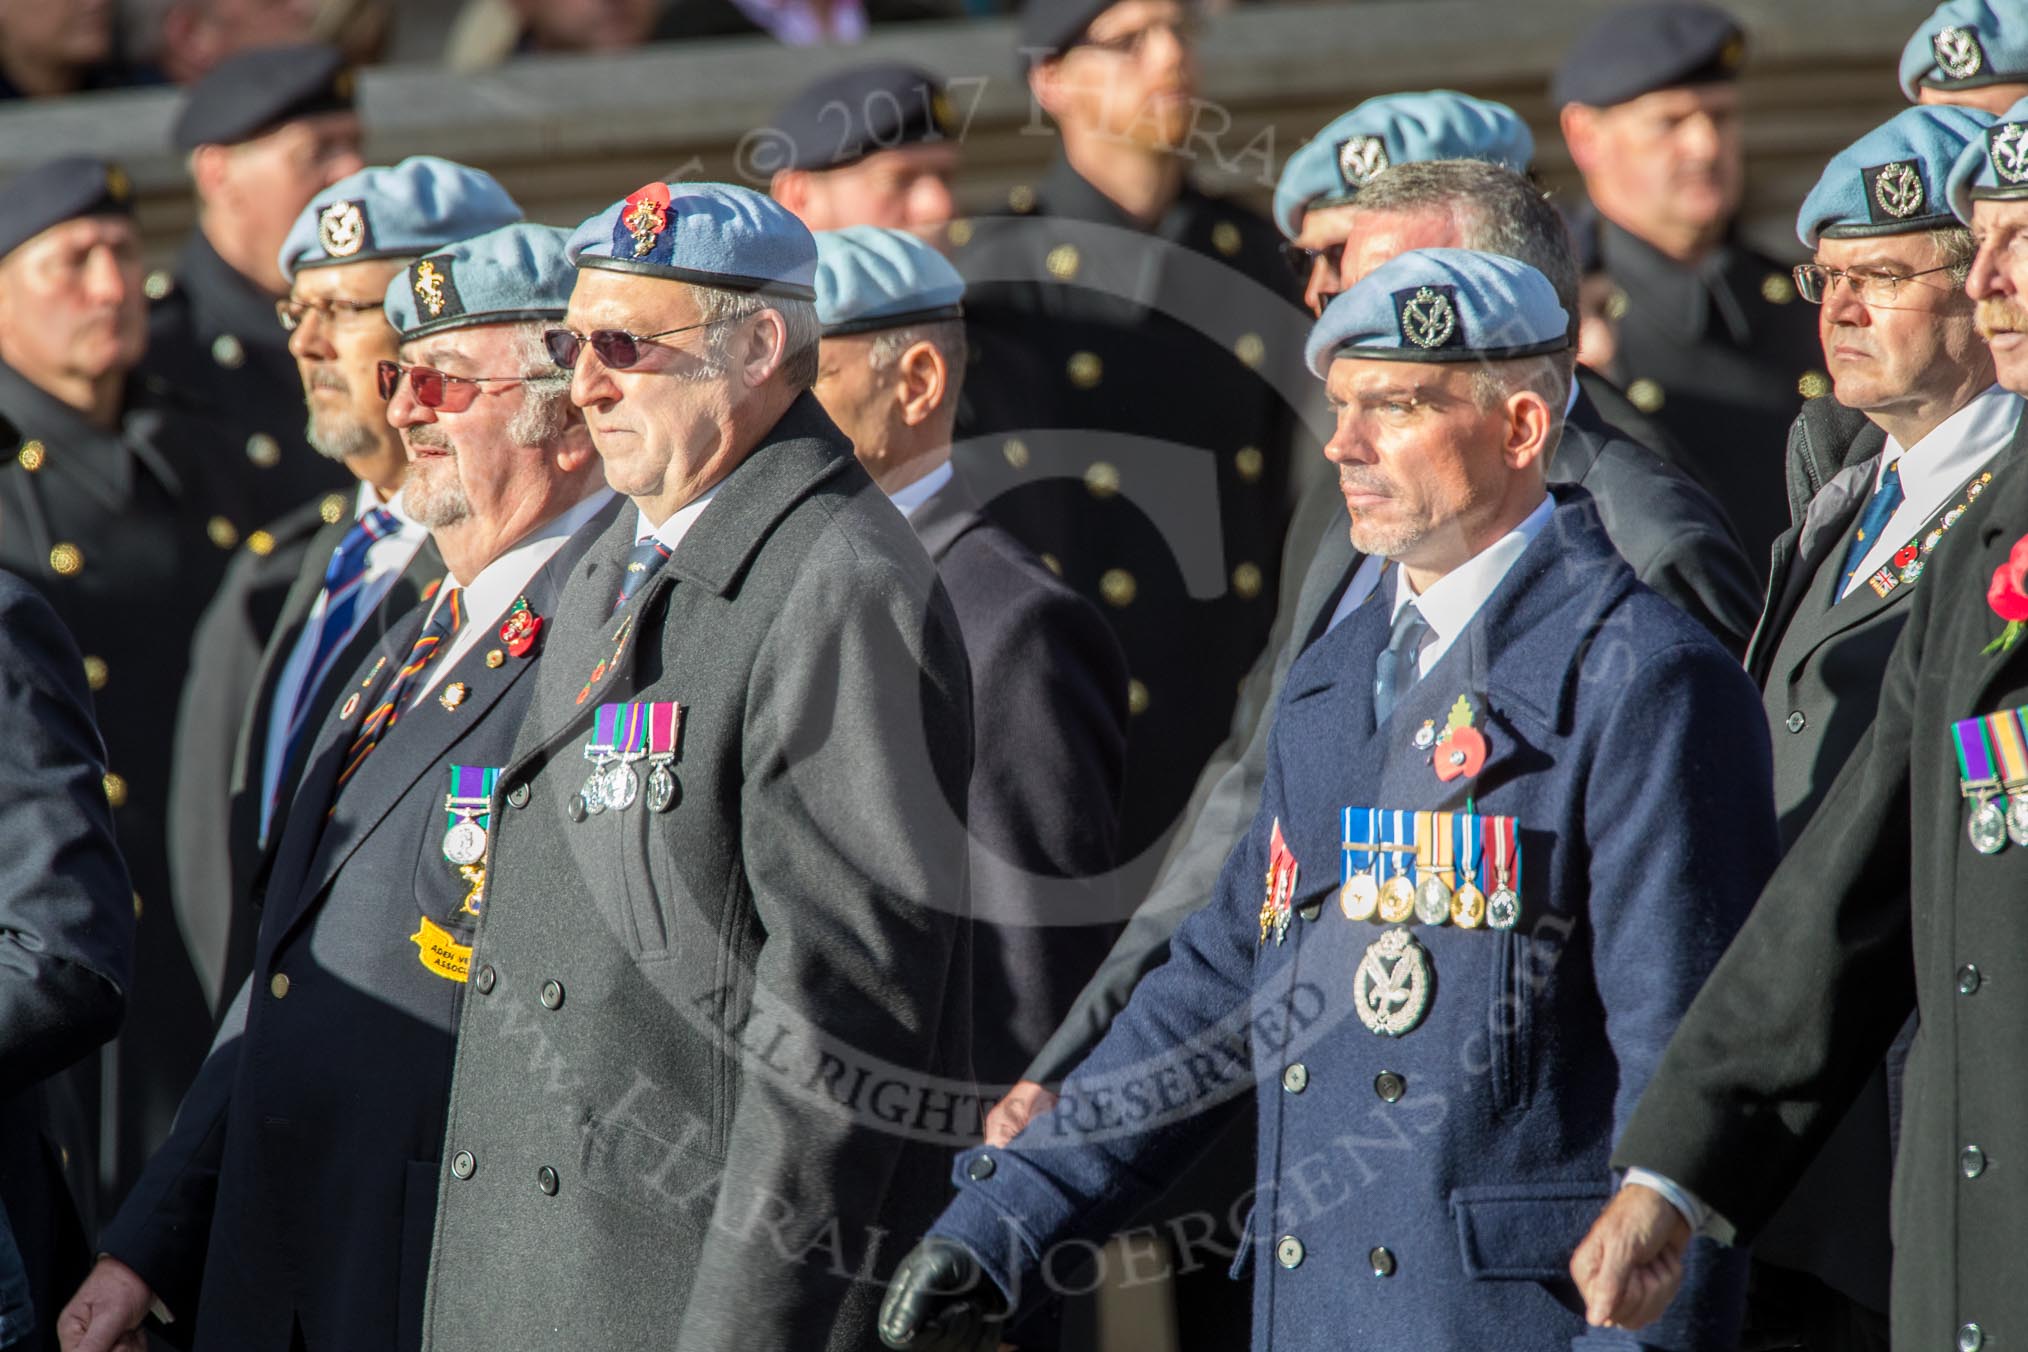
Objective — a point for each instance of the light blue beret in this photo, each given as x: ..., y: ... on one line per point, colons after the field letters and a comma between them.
x: 1966, y: 44
x: 1994, y: 166
x: 504, y: 276
x: 423, y: 203
x: 707, y: 234
x: 1329, y: 169
x: 870, y: 278
x: 1441, y: 305
x: 1894, y: 180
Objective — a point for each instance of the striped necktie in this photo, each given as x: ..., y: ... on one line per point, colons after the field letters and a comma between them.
x: 344, y: 579
x: 442, y: 626
x: 1872, y: 520
x: 642, y: 562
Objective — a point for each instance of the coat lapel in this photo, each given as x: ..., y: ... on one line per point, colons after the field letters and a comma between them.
x: 945, y: 517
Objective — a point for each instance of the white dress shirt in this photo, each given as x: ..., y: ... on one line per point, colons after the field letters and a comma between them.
x: 501, y: 582
x: 908, y: 499
x: 386, y: 559
x: 672, y: 531
x: 1453, y: 599
x: 1933, y: 470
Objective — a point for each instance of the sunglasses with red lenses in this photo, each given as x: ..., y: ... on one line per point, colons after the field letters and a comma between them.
x: 438, y: 389
x: 617, y: 348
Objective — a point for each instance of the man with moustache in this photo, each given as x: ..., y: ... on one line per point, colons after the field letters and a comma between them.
x: 870, y: 145
x: 1416, y: 1169
x: 1972, y: 53
x: 1899, y: 897
x: 310, y: 593
x: 1127, y: 415
x: 726, y: 911
x: 1712, y: 344
x: 292, y: 1206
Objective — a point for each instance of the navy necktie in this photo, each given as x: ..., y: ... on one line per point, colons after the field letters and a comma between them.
x: 344, y: 579
x: 647, y: 556
x: 1873, y: 520
x: 1397, y: 667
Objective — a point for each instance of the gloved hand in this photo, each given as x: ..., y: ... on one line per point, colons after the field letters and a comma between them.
x: 941, y: 1300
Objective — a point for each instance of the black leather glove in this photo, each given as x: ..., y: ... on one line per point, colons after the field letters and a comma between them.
x: 940, y: 1300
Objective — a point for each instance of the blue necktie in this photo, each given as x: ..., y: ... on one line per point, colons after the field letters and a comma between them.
x: 1398, y: 667
x: 1872, y: 521
x: 344, y: 578
x: 647, y: 556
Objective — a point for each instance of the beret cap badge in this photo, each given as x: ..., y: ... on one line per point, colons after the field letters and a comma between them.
x: 1898, y: 189
x: 1428, y: 319
x: 429, y: 287
x: 341, y: 229
x: 1958, y: 52
x: 118, y: 185
x: 2007, y: 147
x: 647, y: 216
x: 1361, y: 158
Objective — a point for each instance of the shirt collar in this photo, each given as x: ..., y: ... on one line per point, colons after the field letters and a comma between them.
x: 909, y: 498
x: 1956, y: 447
x: 366, y: 497
x: 1450, y: 602
x: 510, y: 572
x: 672, y: 531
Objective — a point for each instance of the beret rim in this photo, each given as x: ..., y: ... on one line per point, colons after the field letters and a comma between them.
x: 1979, y: 81
x: 1449, y: 356
x: 2012, y: 193
x: 481, y: 320
x: 1915, y: 225
x: 899, y: 320
x: 698, y: 277
x: 364, y: 256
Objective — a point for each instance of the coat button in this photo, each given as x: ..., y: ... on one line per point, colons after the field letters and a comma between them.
x: 981, y: 1168
x: 1296, y: 1078
x: 552, y: 995
x: 1971, y: 1338
x: 278, y: 985
x: 1389, y: 1086
x: 463, y: 1165
x: 1968, y: 979
x: 1382, y: 1261
x: 1972, y: 1161
x: 545, y: 1179
x: 518, y: 795
x: 1289, y: 1252
x: 1797, y: 722
x: 574, y: 808
x: 485, y: 979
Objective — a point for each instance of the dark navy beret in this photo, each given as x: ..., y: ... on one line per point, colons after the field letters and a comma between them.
x: 1966, y: 44
x: 847, y: 116
x: 61, y: 190
x: 1441, y: 305
x: 1050, y: 26
x: 259, y: 90
x: 1895, y: 179
x: 1636, y: 49
x: 506, y: 276
x: 706, y: 234
x: 396, y: 211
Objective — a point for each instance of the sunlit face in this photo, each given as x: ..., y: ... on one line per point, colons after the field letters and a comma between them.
x: 1132, y: 77
x: 1419, y: 462
x: 338, y: 352
x: 1999, y: 284
x: 71, y: 306
x: 1889, y: 355
x: 265, y: 183
x: 907, y: 188
x: 1666, y: 161
x: 469, y: 457
x: 1994, y: 98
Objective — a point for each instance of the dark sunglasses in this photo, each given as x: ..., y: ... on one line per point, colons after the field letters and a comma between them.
x: 617, y: 348
x: 439, y: 389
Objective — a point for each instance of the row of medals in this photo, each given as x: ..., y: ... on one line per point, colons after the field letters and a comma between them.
x: 614, y: 783
x: 1991, y: 826
x: 1433, y: 902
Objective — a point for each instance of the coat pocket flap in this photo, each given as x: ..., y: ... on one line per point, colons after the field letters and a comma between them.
x: 1524, y: 1231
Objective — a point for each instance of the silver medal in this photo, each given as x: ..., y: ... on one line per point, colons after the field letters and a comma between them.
x: 1503, y: 908
x: 661, y: 789
x: 622, y: 786
x: 1433, y: 901
x: 465, y: 843
x: 1988, y: 827
x: 594, y: 792
x: 2017, y: 819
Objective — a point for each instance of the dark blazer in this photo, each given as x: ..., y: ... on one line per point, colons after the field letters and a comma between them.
x: 298, y: 1187
x: 1434, y: 1182
x: 1667, y: 528
x: 1882, y: 908
x: 1049, y: 731
x: 242, y: 642
x: 66, y: 952
x: 751, y: 1054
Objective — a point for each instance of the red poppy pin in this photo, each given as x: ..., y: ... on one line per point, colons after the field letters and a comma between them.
x: 520, y: 629
x: 2008, y: 596
x: 1461, y: 748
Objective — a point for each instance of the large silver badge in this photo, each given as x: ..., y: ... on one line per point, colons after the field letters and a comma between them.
x: 1427, y: 319
x: 1360, y: 158
x: 1958, y: 52
x: 1393, y: 985
x: 1898, y: 190
x: 2007, y: 148
x: 341, y: 229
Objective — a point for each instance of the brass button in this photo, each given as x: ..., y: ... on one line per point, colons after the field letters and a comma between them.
x: 66, y: 559
x: 1086, y: 370
x: 463, y: 1165
x: 1016, y: 452
x: 1118, y: 587
x: 1968, y: 980
x: 1021, y: 197
x: 96, y: 672
x: 1225, y: 238
x: 546, y: 1179
x: 1296, y: 1078
x: 1813, y: 385
x: 228, y: 352
x: 332, y: 509
x: 1645, y: 395
x: 278, y: 985
x: 1137, y: 697
x: 261, y: 543
x: 1249, y: 462
x: 552, y: 995
x: 1246, y: 580
x: 1389, y: 1086
x: 32, y: 455
x: 158, y: 285
x: 116, y: 789
x: 137, y: 906
x: 1616, y: 304
x: 959, y: 233
x: 1382, y: 1261
x: 1053, y: 564
x: 1289, y: 1252
x: 1250, y: 349
x: 1777, y: 289
x: 222, y: 532
x: 495, y: 658
x: 264, y: 450
x: 1062, y: 262
x: 1102, y: 480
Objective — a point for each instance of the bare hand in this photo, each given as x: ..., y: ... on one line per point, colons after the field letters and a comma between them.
x: 1024, y: 1103
x: 1630, y: 1266
x: 106, y: 1313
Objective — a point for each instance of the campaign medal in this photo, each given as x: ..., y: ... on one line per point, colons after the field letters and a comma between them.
x: 1433, y: 867
x: 665, y: 727
x: 599, y: 751
x: 468, y: 807
x: 1397, y: 867
x: 1978, y: 779
x: 628, y: 731
x: 1460, y: 747
x: 1468, y: 903
x: 1503, y: 863
x: 1909, y: 560
x: 1282, y: 869
x: 2010, y: 756
x: 1393, y: 985
x: 518, y: 631
x: 1359, y: 890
